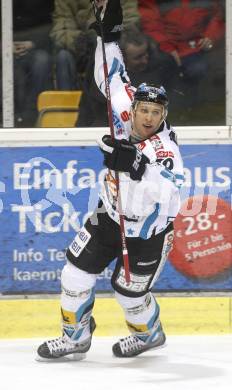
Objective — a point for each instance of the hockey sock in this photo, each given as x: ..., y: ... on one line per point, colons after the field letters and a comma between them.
x: 77, y: 300
x: 142, y: 316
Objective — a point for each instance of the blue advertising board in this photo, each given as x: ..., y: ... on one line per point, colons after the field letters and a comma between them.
x: 47, y: 193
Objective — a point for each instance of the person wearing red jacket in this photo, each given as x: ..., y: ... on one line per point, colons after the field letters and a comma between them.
x: 185, y: 29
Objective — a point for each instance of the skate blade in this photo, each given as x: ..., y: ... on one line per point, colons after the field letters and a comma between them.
x: 74, y: 357
x: 164, y: 345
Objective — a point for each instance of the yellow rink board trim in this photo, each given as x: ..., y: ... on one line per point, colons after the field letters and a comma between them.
x: 25, y: 318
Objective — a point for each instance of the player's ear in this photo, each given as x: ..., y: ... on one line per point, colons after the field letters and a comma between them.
x: 132, y: 114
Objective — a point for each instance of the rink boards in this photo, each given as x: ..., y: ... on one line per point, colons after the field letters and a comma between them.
x: 49, y: 187
x: 180, y: 315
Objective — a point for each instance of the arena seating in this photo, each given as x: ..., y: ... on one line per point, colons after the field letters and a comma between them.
x: 58, y: 108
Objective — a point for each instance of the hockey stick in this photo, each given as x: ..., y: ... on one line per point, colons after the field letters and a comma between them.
x: 111, y: 124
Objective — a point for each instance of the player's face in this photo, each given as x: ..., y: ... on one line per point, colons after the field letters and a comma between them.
x: 147, y: 119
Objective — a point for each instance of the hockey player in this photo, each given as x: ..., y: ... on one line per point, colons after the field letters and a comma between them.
x: 147, y: 157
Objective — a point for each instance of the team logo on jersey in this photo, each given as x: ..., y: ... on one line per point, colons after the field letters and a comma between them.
x: 141, y: 145
x: 125, y: 116
x: 156, y: 142
x: 164, y: 154
x: 130, y: 91
x: 117, y: 124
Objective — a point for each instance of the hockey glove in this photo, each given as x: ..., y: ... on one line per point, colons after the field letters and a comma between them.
x: 111, y: 20
x: 123, y: 156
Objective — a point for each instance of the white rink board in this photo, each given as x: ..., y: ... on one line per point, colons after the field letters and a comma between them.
x: 88, y: 136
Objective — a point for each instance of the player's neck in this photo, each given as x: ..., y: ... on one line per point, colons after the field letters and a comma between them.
x: 135, y: 138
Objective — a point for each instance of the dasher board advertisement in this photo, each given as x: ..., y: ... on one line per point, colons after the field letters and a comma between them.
x: 47, y: 193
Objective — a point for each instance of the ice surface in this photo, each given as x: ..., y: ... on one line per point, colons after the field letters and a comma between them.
x: 187, y: 362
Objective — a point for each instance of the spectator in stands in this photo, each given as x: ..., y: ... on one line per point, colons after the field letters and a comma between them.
x: 32, y: 58
x: 186, y: 30
x: 74, y: 41
x: 71, y: 40
x: 144, y: 63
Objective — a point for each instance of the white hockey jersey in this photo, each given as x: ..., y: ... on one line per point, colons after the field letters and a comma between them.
x: 151, y: 204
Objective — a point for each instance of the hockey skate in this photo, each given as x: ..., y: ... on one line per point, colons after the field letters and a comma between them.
x: 133, y: 345
x: 63, y: 347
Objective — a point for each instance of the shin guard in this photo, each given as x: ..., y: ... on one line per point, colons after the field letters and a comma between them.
x: 142, y: 315
x: 77, y: 300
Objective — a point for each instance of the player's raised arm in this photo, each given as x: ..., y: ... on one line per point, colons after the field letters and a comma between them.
x: 119, y: 83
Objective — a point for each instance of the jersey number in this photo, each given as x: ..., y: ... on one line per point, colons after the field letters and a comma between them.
x: 167, y: 162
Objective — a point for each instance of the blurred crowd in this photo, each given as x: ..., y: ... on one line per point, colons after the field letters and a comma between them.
x: 179, y: 44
